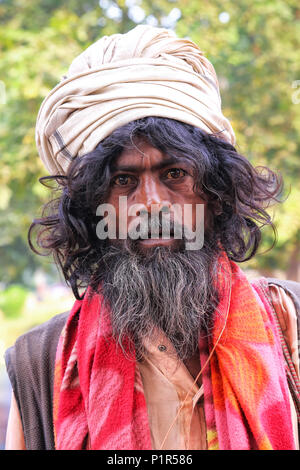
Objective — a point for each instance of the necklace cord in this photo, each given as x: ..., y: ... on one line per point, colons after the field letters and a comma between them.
x: 201, y: 371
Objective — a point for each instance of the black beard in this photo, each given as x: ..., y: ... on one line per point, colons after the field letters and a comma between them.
x: 161, y: 289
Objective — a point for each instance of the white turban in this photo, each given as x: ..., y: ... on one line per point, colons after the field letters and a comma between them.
x: 120, y: 78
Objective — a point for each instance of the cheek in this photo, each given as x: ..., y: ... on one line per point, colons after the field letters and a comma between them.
x: 113, y: 201
x: 109, y: 213
x: 207, y: 218
x: 194, y: 209
x: 194, y: 216
x: 184, y: 190
x: 112, y: 198
x: 183, y: 193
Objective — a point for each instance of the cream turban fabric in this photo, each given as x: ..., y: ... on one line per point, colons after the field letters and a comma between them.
x: 121, y: 78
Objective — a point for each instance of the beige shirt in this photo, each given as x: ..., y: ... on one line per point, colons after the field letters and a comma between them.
x: 168, y: 383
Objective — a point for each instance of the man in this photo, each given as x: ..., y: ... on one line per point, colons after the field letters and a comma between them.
x: 168, y: 345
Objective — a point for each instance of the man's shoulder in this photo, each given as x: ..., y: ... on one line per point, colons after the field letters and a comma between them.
x: 285, y: 283
x: 36, y: 346
x: 52, y: 326
x: 290, y: 287
x: 45, y: 331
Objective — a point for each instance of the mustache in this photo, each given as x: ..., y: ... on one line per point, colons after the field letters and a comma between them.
x: 158, y: 227
x: 149, y: 230
x: 159, y: 230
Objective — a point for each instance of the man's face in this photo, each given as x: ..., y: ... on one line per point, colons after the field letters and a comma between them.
x: 146, y: 176
x: 156, y: 283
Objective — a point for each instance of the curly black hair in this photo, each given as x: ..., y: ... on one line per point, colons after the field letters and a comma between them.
x: 237, y: 195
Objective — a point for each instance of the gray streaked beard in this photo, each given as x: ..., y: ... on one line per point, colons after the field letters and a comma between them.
x: 167, y: 290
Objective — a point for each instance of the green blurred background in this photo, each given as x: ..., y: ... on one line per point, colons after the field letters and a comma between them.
x: 254, y: 46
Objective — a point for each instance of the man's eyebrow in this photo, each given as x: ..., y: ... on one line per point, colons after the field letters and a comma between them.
x: 158, y: 166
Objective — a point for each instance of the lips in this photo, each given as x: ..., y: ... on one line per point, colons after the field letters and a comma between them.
x: 156, y: 241
x: 153, y: 241
x: 160, y: 236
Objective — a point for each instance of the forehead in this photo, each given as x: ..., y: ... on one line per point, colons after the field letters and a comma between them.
x: 144, y: 156
x: 141, y: 151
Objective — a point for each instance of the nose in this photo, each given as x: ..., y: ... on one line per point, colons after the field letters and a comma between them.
x: 150, y: 193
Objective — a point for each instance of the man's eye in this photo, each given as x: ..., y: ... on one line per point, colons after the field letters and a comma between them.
x: 123, y: 180
x: 175, y: 173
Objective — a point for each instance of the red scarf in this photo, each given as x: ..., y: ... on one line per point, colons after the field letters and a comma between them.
x: 99, y: 401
